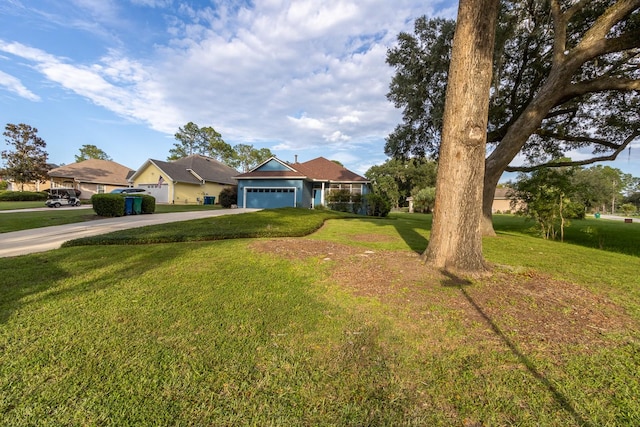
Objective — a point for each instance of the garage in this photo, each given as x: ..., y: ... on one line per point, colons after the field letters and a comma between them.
x: 269, y: 198
x: 160, y: 192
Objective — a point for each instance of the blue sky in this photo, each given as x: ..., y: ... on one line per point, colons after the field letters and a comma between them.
x: 300, y: 77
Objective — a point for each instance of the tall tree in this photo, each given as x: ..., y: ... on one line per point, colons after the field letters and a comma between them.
x: 247, y: 156
x: 566, y: 77
x: 89, y: 151
x: 456, y: 243
x: 397, y: 179
x: 193, y: 139
x: 27, y: 162
x: 549, y: 197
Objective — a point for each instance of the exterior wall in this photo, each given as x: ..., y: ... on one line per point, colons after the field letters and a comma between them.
x: 29, y: 186
x: 87, y: 189
x: 272, y: 165
x: 302, y: 191
x: 190, y: 194
x: 148, y: 179
x: 149, y: 176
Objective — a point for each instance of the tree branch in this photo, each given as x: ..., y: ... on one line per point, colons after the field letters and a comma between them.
x: 612, y: 156
x: 568, y: 138
x: 602, y: 84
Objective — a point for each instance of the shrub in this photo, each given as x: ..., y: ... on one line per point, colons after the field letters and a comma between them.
x: 339, y: 200
x: 22, y: 196
x: 109, y: 205
x: 3, y: 185
x: 228, y: 196
x: 148, y: 204
x: 377, y: 205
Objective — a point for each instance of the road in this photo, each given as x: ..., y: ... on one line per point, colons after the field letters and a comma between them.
x: 47, y: 238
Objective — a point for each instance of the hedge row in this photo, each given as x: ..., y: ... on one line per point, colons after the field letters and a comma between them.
x: 22, y: 196
x: 110, y: 205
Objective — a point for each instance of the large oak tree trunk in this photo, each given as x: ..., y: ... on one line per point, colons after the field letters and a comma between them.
x: 456, y: 241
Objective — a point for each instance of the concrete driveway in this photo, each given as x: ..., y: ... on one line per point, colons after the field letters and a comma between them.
x: 47, y: 238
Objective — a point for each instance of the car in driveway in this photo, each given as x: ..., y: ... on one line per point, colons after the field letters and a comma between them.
x: 128, y: 190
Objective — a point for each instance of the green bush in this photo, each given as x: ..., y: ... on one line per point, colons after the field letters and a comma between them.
x: 339, y: 200
x: 229, y: 196
x: 109, y: 205
x: 148, y: 204
x: 22, y: 196
x: 377, y: 205
x: 3, y: 185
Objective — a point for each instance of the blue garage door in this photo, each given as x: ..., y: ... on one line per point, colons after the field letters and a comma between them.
x: 271, y: 198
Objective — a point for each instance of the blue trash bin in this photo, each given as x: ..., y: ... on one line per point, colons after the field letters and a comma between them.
x: 209, y: 200
x: 128, y: 205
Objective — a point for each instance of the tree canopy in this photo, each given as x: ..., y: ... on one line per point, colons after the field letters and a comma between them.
x: 397, y: 179
x: 566, y: 77
x: 27, y: 161
x: 193, y: 139
x: 206, y: 141
x: 89, y: 151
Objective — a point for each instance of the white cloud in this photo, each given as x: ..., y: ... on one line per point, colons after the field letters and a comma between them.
x: 249, y: 72
x: 14, y: 85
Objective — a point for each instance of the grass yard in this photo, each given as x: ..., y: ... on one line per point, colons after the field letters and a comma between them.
x: 342, y: 327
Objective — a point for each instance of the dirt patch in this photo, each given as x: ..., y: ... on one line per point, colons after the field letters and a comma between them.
x: 536, y: 311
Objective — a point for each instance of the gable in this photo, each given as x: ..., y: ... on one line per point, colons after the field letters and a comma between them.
x: 272, y: 165
x: 195, y: 169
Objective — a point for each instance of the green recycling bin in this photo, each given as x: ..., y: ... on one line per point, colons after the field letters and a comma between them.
x: 597, y: 215
x: 137, y: 205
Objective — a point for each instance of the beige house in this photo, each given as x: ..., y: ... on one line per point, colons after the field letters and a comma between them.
x: 184, y: 181
x: 92, y: 176
x: 502, y: 202
x: 30, y: 186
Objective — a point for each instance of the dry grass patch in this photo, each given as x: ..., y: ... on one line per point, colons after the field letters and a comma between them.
x: 532, y: 311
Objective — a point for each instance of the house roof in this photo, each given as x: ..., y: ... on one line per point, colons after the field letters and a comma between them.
x: 325, y: 170
x: 194, y: 169
x: 319, y: 169
x: 94, y: 171
x: 503, y: 193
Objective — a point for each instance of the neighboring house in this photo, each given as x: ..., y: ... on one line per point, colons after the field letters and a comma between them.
x: 502, y: 202
x: 275, y: 184
x: 92, y: 176
x: 184, y: 181
x: 31, y: 186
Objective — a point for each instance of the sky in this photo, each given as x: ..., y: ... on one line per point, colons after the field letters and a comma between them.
x: 304, y: 78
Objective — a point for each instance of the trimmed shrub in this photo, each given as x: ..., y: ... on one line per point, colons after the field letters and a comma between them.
x: 108, y: 205
x: 148, y: 204
x: 22, y: 196
x: 228, y: 196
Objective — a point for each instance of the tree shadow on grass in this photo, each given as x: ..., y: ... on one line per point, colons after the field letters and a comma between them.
x: 561, y: 399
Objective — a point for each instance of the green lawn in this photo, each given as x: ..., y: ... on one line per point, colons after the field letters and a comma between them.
x: 246, y: 332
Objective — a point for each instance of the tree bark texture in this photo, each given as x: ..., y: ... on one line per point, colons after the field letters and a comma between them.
x: 456, y: 240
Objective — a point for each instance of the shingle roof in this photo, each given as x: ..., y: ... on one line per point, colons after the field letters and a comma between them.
x: 326, y: 170
x: 94, y: 171
x: 319, y: 169
x: 207, y: 168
